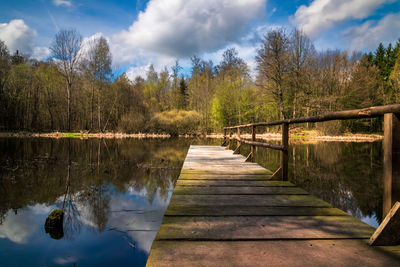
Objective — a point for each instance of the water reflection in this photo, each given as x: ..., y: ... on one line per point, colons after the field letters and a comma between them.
x: 113, y: 192
x: 347, y: 175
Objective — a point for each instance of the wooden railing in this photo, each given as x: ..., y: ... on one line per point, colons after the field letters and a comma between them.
x: 391, y: 142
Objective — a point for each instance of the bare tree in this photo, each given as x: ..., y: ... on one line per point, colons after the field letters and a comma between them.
x: 98, y: 67
x: 66, y: 52
x: 301, y: 52
x: 273, y: 65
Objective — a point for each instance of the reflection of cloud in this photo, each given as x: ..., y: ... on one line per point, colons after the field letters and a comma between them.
x: 18, y: 228
x: 137, y: 218
x: 65, y: 260
x: 41, y: 209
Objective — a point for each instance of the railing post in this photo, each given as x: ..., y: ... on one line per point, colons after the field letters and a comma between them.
x: 253, y: 147
x: 391, y: 161
x: 237, y: 150
x: 224, y: 143
x: 285, y: 151
x: 229, y: 142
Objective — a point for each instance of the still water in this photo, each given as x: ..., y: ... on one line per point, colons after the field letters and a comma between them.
x: 115, y: 192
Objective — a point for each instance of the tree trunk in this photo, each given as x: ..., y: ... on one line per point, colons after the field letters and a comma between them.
x: 92, y: 109
x: 69, y: 107
x: 99, y: 109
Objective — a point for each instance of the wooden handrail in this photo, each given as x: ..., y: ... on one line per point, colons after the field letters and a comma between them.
x: 390, y: 125
x: 338, y: 115
x: 254, y: 143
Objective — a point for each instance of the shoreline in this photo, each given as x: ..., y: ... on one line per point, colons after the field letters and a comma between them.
x: 295, y: 137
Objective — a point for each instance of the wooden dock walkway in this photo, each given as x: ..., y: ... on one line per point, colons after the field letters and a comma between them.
x: 227, y: 212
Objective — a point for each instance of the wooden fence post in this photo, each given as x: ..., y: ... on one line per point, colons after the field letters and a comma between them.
x: 237, y: 150
x: 285, y: 151
x: 253, y: 147
x: 391, y: 161
x: 224, y: 143
x: 229, y: 142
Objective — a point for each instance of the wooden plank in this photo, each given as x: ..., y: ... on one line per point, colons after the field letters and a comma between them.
x: 254, y: 177
x: 262, y: 228
x: 235, y: 190
x: 193, y: 210
x: 227, y: 170
x: 271, y: 253
x: 214, y: 183
x: 255, y: 221
x: 245, y: 200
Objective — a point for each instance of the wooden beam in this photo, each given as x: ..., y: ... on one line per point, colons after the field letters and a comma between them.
x: 230, y: 140
x: 253, y: 147
x: 388, y: 233
x: 237, y: 150
x: 224, y: 143
x: 248, y: 158
x: 254, y: 143
x: 338, y: 115
x: 277, y: 174
x: 285, y: 151
x: 391, y: 161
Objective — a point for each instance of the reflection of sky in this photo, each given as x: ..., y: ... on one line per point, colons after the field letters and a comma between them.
x: 132, y: 221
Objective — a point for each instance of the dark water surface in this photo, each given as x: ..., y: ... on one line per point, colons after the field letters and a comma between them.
x: 115, y: 192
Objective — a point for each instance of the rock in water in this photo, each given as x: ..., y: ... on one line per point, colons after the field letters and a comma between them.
x: 54, y: 224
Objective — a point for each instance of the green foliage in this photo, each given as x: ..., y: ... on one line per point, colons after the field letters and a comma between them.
x: 132, y: 122
x: 293, y: 80
x: 175, y: 122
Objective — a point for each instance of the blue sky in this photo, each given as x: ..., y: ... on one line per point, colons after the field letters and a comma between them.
x: 160, y: 31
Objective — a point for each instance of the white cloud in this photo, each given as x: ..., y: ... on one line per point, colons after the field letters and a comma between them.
x: 370, y: 33
x: 17, y: 36
x: 141, y: 71
x: 41, y: 52
x: 321, y: 15
x: 87, y: 42
x: 62, y: 3
x: 181, y: 28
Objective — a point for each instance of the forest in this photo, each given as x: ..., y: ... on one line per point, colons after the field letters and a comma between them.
x: 76, y: 89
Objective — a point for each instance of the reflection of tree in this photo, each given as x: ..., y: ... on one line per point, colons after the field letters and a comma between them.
x: 72, y: 222
x: 347, y: 175
x: 95, y: 168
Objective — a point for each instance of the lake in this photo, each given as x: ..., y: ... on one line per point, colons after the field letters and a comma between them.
x: 115, y: 191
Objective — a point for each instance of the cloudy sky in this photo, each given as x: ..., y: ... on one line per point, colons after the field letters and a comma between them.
x: 160, y: 31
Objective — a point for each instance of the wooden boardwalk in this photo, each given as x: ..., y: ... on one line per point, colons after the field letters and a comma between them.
x: 226, y: 212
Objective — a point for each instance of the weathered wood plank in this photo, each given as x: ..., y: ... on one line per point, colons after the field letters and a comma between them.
x: 262, y: 227
x: 253, y: 200
x: 187, y: 210
x: 187, y: 182
x: 255, y: 221
x: 250, y: 177
x: 262, y: 190
x: 271, y: 253
x: 227, y: 170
